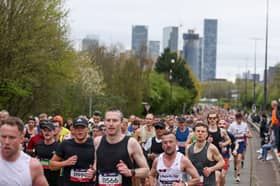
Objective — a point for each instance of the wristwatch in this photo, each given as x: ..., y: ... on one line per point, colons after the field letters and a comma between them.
x: 132, y: 172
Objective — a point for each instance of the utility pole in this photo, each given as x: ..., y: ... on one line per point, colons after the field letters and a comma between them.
x: 265, y: 66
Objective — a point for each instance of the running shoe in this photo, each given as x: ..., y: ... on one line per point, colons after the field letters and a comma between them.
x: 237, y: 179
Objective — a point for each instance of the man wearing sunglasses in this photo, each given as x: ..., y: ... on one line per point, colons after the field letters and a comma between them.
x: 153, y: 146
x: 217, y: 137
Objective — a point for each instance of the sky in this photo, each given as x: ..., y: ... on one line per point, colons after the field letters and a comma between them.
x: 239, y: 21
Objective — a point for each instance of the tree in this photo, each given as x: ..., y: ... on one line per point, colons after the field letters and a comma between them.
x: 181, y: 73
x: 35, y: 56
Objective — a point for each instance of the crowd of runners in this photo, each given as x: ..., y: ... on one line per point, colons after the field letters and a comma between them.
x: 192, y: 149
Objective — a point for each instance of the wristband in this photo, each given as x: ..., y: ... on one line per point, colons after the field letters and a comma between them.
x: 133, y: 173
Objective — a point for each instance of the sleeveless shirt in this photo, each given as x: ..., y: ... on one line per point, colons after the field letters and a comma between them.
x: 108, y: 156
x: 217, y: 137
x: 200, y: 160
x: 168, y: 175
x: 16, y: 172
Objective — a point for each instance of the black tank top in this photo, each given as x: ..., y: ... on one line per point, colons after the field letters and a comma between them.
x: 109, y: 155
x: 156, y: 147
x: 216, y: 138
x: 200, y: 160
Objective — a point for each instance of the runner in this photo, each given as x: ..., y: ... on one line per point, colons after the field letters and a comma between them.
x: 147, y: 131
x: 169, y: 168
x: 116, y: 154
x: 204, y: 156
x: 218, y: 137
x: 17, y: 168
x: 36, y: 139
x: 182, y: 133
x: 226, y: 153
x: 76, y: 156
x: 239, y: 129
x: 153, y: 146
x: 44, y: 151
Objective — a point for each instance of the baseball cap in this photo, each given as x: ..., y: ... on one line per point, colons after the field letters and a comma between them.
x: 48, y: 125
x: 159, y: 124
x: 80, y: 122
x: 43, y: 122
x: 180, y: 119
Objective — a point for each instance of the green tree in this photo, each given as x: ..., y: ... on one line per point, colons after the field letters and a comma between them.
x: 35, y: 57
x: 181, y: 74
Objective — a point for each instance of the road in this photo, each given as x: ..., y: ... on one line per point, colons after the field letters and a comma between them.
x: 255, y: 172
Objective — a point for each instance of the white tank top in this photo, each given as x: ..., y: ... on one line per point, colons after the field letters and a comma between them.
x: 169, y: 175
x: 16, y: 173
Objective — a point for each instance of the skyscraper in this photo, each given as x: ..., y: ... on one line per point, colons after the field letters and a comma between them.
x: 154, y: 49
x: 139, y: 39
x: 192, y: 51
x: 210, y: 49
x: 170, y: 38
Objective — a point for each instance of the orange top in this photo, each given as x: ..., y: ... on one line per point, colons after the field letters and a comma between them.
x: 274, y: 120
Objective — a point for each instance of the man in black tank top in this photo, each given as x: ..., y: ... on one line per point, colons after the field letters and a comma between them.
x: 217, y: 137
x: 117, y: 153
x: 153, y: 146
x: 204, y: 156
x: 76, y: 156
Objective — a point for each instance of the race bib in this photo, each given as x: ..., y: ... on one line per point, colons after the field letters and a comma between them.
x: 167, y: 178
x: 110, y: 179
x: 78, y: 175
x: 45, y: 163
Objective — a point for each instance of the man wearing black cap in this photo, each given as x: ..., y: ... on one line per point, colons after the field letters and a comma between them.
x: 44, y: 151
x: 182, y: 133
x: 36, y: 139
x: 153, y: 146
x: 76, y: 156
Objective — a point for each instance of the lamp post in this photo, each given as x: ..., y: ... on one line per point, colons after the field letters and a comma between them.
x: 255, y: 67
x: 170, y: 79
x: 265, y: 66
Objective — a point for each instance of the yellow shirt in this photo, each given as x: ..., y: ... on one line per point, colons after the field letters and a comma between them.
x: 63, y: 132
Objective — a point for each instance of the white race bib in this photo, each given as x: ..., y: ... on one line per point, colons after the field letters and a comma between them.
x: 78, y: 175
x: 110, y: 179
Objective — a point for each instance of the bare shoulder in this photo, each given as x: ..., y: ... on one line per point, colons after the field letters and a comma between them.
x: 34, y: 165
x: 37, y: 173
x: 133, y: 143
x: 97, y: 141
x: 213, y: 148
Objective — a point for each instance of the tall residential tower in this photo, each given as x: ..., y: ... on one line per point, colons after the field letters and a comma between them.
x: 210, y: 49
x: 170, y: 38
x: 139, y: 39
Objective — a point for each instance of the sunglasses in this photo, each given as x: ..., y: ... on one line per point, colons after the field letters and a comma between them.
x: 158, y: 127
x: 212, y: 118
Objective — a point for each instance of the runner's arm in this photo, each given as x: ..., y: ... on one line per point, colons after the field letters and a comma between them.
x: 226, y: 137
x: 217, y: 157
x: 153, y: 173
x: 37, y: 173
x: 139, y: 158
x: 191, y: 170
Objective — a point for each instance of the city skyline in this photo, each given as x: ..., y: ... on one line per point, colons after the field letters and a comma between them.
x: 239, y: 21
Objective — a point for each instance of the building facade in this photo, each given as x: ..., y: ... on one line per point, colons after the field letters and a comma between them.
x: 154, y: 49
x: 139, y: 40
x: 210, y: 49
x: 192, y: 51
x: 170, y: 38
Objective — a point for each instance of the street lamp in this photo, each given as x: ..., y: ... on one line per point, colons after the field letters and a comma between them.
x: 255, y: 67
x: 170, y: 79
x: 265, y: 66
